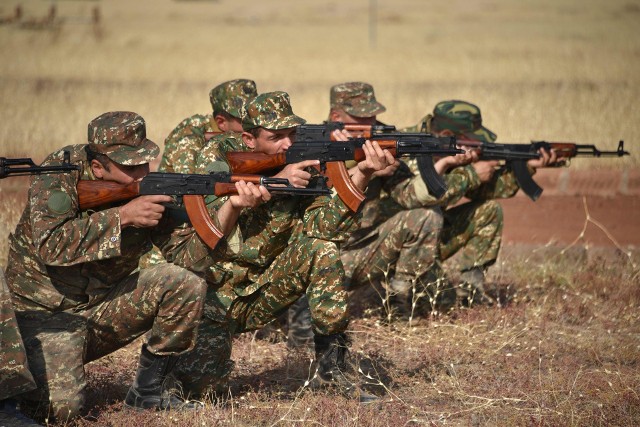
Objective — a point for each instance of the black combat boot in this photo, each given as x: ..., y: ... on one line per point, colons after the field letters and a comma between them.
x: 10, y: 415
x: 331, y: 351
x: 148, y: 390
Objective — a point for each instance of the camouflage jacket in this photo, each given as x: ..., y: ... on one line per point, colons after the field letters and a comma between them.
x: 61, y: 257
x: 262, y: 233
x: 184, y: 142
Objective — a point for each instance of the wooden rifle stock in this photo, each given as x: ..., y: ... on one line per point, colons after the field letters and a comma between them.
x: 93, y: 194
x: 336, y: 172
x: 250, y: 162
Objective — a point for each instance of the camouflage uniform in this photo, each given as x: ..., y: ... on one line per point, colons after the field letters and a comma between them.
x: 278, y: 251
x: 474, y: 228
x: 73, y: 280
x: 187, y: 139
x: 15, y: 377
x: 398, y: 241
x: 184, y: 143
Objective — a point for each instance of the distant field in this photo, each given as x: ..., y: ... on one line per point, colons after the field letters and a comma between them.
x: 562, y: 70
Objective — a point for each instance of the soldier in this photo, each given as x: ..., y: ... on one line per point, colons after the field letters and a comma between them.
x: 474, y: 228
x: 73, y: 279
x: 188, y: 138
x: 283, y: 248
x: 397, y: 244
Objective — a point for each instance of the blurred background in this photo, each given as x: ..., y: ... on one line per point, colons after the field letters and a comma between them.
x: 564, y: 70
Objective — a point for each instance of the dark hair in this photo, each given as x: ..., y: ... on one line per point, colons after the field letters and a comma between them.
x: 255, y: 131
x: 94, y: 155
x: 223, y: 114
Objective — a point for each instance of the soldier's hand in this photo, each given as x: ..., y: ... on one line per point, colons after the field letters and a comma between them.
x: 341, y: 135
x: 143, y: 211
x: 547, y: 158
x: 296, y: 173
x: 376, y: 159
x: 249, y: 195
x: 485, y: 169
x: 389, y: 170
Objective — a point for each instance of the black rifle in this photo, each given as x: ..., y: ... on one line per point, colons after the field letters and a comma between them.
x: 517, y: 155
x: 18, y: 167
x: 423, y: 146
x: 191, y: 188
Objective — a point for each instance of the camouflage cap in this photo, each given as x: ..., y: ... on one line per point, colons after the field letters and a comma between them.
x: 463, y: 119
x: 122, y: 136
x: 357, y: 99
x: 232, y: 96
x: 271, y: 110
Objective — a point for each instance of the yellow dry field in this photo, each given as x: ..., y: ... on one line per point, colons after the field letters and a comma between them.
x: 566, y: 70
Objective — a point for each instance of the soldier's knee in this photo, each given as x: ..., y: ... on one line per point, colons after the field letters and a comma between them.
x: 186, y: 281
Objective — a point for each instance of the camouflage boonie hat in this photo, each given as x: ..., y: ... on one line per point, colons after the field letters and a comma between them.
x: 232, y: 96
x: 357, y: 99
x: 122, y: 137
x: 271, y: 110
x: 463, y: 119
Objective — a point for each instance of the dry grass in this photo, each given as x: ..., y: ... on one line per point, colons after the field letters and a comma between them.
x: 562, y: 350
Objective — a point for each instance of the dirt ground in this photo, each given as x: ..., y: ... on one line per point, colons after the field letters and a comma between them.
x: 604, y: 203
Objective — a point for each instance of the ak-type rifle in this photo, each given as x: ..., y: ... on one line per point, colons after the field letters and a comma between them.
x: 26, y: 166
x: 333, y: 154
x: 517, y: 155
x: 419, y: 144
x: 191, y: 188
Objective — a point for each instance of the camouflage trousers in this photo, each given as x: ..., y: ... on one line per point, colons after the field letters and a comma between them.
x: 308, y: 266
x: 166, y: 300
x: 15, y: 377
x: 475, y: 230
x: 405, y: 247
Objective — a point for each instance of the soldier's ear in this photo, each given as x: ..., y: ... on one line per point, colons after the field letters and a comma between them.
x: 249, y: 140
x: 334, y: 116
x: 97, y: 169
x: 221, y: 122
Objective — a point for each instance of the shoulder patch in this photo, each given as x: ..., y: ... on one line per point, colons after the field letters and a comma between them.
x: 59, y: 202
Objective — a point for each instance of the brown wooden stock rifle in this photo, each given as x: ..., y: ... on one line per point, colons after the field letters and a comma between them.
x: 517, y: 155
x: 191, y: 188
x: 333, y: 154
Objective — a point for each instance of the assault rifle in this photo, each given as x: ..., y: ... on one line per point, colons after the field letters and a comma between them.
x: 419, y: 144
x: 191, y: 188
x: 332, y: 156
x: 19, y: 167
x: 385, y: 135
x: 517, y: 155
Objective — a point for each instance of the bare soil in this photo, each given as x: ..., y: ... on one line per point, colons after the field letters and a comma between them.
x: 604, y: 203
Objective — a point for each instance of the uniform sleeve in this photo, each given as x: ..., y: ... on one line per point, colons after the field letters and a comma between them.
x: 503, y: 185
x: 413, y: 192
x: 181, y: 245
x: 328, y: 218
x: 61, y: 234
